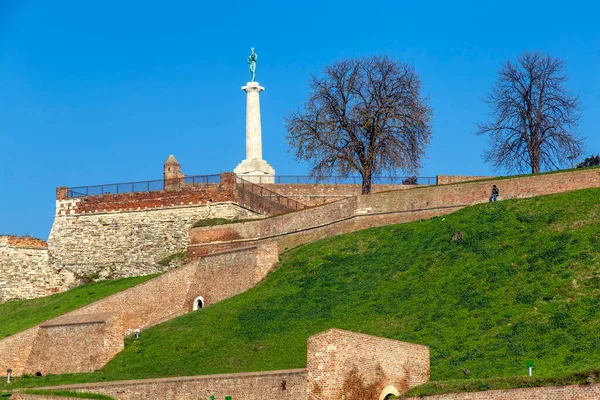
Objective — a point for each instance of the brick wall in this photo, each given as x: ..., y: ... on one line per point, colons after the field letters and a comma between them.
x: 317, y: 194
x: 279, y: 385
x: 343, y: 364
x: 82, y: 343
x: 86, y: 338
x: 24, y: 268
x: 573, y: 392
x: 449, y: 179
x: 384, y: 208
x: 339, y: 363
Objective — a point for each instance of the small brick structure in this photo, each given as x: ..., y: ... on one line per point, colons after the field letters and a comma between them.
x: 24, y: 268
x: 355, y: 366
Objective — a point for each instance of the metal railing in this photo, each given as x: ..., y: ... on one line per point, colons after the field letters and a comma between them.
x: 343, y: 180
x: 144, y: 186
x: 262, y: 199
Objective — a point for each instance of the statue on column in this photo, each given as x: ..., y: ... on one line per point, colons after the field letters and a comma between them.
x: 252, y: 63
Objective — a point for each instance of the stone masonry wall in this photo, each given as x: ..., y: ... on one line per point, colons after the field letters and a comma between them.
x: 317, y: 194
x: 124, y: 243
x: 449, y: 179
x: 379, y: 209
x: 354, y: 366
x: 272, y: 385
x: 24, y: 270
x: 87, y: 338
x: 573, y: 392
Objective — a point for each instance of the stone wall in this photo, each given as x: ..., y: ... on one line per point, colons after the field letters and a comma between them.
x: 125, y: 243
x: 380, y: 209
x: 343, y: 364
x: 318, y: 194
x: 573, y: 392
x: 340, y: 364
x: 449, y: 179
x: 280, y: 385
x: 85, y: 339
x: 24, y: 270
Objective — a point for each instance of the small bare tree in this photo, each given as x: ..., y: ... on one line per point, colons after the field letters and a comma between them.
x: 363, y: 115
x: 534, y: 116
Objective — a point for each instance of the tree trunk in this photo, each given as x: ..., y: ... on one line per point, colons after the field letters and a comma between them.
x: 366, y: 183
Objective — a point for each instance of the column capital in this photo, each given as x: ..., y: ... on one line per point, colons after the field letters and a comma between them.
x: 252, y: 87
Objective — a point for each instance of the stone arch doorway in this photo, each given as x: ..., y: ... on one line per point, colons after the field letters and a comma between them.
x: 388, y: 392
x: 198, y: 303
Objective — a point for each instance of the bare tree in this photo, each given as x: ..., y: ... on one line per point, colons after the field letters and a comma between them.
x: 534, y: 117
x: 363, y: 115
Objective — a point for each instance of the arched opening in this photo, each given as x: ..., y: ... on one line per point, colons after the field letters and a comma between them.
x: 198, y: 303
x: 388, y: 392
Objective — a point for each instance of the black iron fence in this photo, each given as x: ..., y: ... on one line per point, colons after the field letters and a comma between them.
x: 144, y: 186
x: 261, y: 199
x: 343, y: 180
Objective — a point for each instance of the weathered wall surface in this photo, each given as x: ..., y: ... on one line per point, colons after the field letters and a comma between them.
x: 379, y: 209
x: 87, y: 338
x: 449, y: 179
x: 24, y: 270
x: 343, y: 364
x: 82, y: 343
x: 124, y: 243
x: 279, y: 385
x: 317, y: 194
x: 573, y: 392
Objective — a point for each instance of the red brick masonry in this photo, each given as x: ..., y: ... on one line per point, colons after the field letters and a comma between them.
x: 339, y: 363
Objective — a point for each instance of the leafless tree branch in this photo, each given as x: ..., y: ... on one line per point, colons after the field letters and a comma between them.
x: 363, y: 115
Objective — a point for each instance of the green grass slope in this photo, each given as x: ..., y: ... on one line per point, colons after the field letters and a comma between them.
x: 488, y: 288
x: 16, y: 316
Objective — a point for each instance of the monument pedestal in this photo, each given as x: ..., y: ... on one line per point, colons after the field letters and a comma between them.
x: 254, y: 168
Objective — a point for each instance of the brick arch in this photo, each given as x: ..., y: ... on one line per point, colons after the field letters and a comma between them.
x: 388, y: 390
x: 198, y: 303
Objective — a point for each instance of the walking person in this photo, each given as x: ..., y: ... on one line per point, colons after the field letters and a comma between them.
x: 495, y: 193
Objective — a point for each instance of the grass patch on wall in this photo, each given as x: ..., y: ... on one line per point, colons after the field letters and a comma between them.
x: 478, y: 385
x: 68, y: 393
x: 488, y: 288
x: 222, y: 221
x: 18, y: 315
x: 163, y: 262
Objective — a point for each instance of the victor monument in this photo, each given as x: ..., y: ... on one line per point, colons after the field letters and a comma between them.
x: 254, y: 168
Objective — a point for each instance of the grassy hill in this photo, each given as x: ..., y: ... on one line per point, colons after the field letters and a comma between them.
x: 488, y: 288
x: 16, y: 316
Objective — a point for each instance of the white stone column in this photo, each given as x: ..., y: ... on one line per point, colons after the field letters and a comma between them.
x: 254, y: 168
x: 253, y: 128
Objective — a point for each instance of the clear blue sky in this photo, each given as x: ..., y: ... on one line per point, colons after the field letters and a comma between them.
x: 102, y: 92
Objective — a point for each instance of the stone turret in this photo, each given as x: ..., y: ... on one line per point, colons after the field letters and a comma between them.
x: 172, y: 174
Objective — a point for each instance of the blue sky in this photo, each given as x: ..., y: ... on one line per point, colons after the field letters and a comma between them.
x: 102, y: 92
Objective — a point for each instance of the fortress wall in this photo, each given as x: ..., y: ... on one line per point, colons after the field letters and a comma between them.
x: 124, y: 243
x: 76, y: 345
x: 572, y: 392
x: 87, y: 338
x: 318, y: 194
x: 343, y: 364
x: 449, y: 179
x: 15, y: 350
x: 380, y: 209
x: 24, y: 270
x: 279, y: 385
